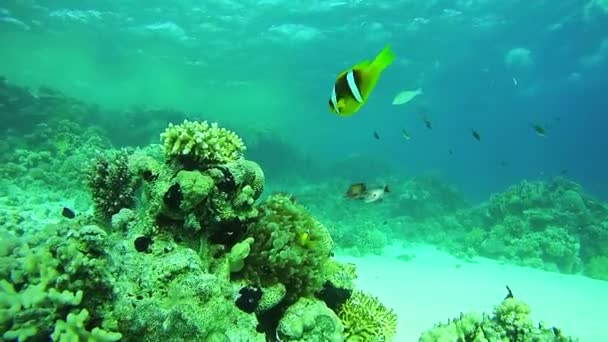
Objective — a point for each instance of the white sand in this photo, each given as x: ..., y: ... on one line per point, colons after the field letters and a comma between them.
x: 431, y: 289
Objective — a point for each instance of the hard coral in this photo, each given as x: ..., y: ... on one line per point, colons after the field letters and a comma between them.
x: 365, y: 318
x: 310, y: 320
x: 74, y: 329
x: 46, y: 278
x: 200, y: 144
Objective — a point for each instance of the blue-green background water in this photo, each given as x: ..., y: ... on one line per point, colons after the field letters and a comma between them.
x: 271, y: 64
x: 265, y: 70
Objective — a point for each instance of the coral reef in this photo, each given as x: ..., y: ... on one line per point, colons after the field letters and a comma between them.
x: 554, y: 225
x: 360, y: 228
x: 184, y: 252
x: 511, y: 321
x: 48, y: 279
x: 427, y: 196
x: 550, y: 225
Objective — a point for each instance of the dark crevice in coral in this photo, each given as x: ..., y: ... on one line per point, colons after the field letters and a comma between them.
x: 249, y: 298
x: 268, y: 321
x: 166, y: 221
x: 228, y: 233
x: 188, y: 163
x: 149, y: 176
x: 334, y: 297
x: 94, y: 322
x: 143, y: 243
x: 227, y: 184
x: 173, y: 197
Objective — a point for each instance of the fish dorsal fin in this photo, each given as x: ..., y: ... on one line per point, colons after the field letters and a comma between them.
x: 360, y: 65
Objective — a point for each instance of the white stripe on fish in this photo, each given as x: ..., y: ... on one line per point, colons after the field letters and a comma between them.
x: 334, y: 100
x: 352, y: 84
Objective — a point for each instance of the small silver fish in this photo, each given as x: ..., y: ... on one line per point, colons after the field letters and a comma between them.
x: 374, y: 195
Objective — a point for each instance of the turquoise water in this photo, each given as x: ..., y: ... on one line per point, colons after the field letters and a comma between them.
x: 504, y: 157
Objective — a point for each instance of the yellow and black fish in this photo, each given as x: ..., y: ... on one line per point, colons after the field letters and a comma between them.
x: 354, y: 85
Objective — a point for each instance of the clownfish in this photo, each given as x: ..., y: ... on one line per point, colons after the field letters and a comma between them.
x: 354, y: 85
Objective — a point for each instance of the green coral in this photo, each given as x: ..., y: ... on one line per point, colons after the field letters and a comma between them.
x: 271, y: 297
x: 238, y: 186
x: 201, y: 143
x: 365, y: 318
x: 195, y: 187
x: 73, y: 329
x: 291, y: 247
x: 238, y: 253
x: 341, y: 275
x: 211, y: 198
x: 174, y: 297
x: 48, y: 276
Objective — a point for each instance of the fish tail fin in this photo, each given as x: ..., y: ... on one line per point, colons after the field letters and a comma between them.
x: 375, y: 68
x: 384, y: 58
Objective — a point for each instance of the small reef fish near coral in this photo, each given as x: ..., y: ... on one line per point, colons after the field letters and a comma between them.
x: 190, y: 172
x: 368, y: 195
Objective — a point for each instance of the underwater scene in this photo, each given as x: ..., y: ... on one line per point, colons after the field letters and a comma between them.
x: 312, y: 171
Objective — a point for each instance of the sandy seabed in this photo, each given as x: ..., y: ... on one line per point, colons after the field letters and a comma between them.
x: 435, y: 286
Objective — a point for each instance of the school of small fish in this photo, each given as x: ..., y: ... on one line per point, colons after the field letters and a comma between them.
x: 351, y: 92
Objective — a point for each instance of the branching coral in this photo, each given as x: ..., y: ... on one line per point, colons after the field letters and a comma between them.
x: 43, y: 280
x: 365, y: 318
x: 201, y: 143
x: 73, y: 329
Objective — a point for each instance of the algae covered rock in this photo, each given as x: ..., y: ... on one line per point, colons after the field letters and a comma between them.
x: 171, y: 295
x: 194, y: 187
